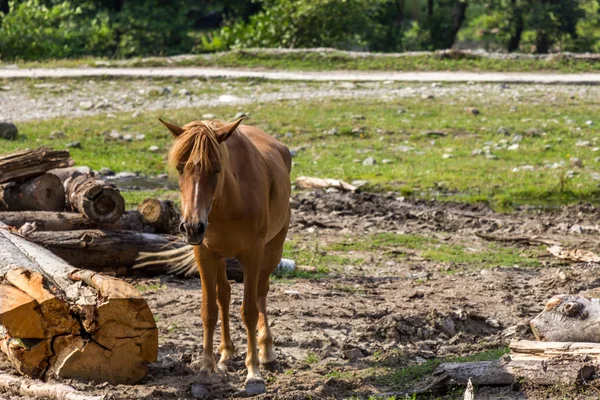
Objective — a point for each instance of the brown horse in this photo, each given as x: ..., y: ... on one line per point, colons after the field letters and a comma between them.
x: 235, y: 197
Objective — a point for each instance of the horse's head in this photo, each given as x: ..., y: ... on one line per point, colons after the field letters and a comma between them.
x: 198, y: 155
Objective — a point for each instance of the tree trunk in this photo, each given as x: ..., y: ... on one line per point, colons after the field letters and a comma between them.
x: 62, y: 322
x: 458, y: 17
x: 541, y: 43
x: 104, y: 250
x: 70, y: 221
x: 568, y: 318
x: 99, y: 201
x: 22, y: 164
x: 42, y: 193
x: 163, y: 216
x: 515, y: 38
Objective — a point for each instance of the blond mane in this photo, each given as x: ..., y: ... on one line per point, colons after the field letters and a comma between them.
x: 198, y: 143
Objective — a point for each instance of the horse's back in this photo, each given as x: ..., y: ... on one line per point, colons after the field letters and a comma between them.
x: 267, y: 145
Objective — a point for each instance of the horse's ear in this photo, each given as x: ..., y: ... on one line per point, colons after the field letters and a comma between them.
x: 175, y: 130
x: 226, y: 130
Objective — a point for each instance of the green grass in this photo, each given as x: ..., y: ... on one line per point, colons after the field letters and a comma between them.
x: 431, y: 249
x: 336, y: 60
x: 401, y: 378
x: 148, y: 288
x: 422, y: 172
x: 311, y: 357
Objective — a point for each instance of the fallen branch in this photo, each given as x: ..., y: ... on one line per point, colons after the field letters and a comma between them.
x: 577, y: 255
x: 306, y: 182
x: 20, y: 386
x: 532, y: 240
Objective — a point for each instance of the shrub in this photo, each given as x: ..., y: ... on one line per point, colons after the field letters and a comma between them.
x: 33, y: 30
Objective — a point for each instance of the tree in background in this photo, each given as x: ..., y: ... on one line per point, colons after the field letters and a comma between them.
x: 37, y: 29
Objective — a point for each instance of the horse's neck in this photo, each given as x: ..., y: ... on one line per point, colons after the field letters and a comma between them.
x: 228, y: 198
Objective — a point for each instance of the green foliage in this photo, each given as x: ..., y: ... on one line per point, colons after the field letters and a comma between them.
x: 305, y: 23
x: 42, y: 29
x: 33, y: 30
x: 151, y: 27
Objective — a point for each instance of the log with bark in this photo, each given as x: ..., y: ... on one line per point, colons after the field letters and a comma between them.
x: 530, y: 362
x: 71, y: 221
x: 65, y: 173
x: 44, y: 193
x: 163, y: 216
x: 99, y: 201
x: 568, y: 318
x: 103, y: 250
x: 63, y: 322
x: 23, y: 164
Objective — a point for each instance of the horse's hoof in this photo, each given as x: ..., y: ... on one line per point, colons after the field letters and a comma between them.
x: 272, y: 366
x: 225, y: 367
x: 205, y: 374
x: 199, y: 391
x: 255, y: 386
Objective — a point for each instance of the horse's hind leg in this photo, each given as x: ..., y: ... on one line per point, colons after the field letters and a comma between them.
x: 271, y: 258
x: 224, y: 297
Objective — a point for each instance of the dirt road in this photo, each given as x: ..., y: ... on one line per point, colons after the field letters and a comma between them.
x: 189, y: 72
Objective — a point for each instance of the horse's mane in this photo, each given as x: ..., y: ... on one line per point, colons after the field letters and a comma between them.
x: 199, y: 144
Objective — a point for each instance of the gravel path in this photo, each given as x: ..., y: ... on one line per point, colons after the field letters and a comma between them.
x: 35, y: 99
x: 497, y: 77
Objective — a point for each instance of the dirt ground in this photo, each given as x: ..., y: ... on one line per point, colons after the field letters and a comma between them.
x: 352, y: 332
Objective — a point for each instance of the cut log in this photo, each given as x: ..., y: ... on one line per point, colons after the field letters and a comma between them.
x: 162, y: 215
x: 23, y: 164
x: 530, y: 362
x: 70, y: 221
x: 65, y: 173
x: 103, y: 250
x: 568, y: 318
x: 99, y: 201
x: 80, y: 324
x: 43, y: 193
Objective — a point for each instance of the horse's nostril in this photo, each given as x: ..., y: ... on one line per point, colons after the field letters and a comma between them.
x: 201, y: 228
x: 182, y: 228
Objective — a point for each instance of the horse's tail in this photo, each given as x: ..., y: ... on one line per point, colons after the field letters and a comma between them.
x: 180, y: 261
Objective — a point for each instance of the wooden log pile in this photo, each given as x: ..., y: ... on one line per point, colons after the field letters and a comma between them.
x: 566, y: 353
x: 58, y: 321
x: 81, y: 218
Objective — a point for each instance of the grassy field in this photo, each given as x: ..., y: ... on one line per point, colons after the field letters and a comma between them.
x: 336, y: 60
x: 537, y: 151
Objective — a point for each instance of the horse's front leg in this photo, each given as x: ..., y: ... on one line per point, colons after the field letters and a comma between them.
x: 252, y: 262
x: 208, y: 264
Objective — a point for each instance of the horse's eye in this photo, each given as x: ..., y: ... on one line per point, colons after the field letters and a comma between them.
x: 216, y: 170
x: 180, y: 170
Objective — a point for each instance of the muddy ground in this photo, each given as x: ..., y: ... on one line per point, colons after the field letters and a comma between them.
x: 351, y: 332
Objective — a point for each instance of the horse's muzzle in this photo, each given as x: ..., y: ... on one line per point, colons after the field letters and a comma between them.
x: 193, y: 233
